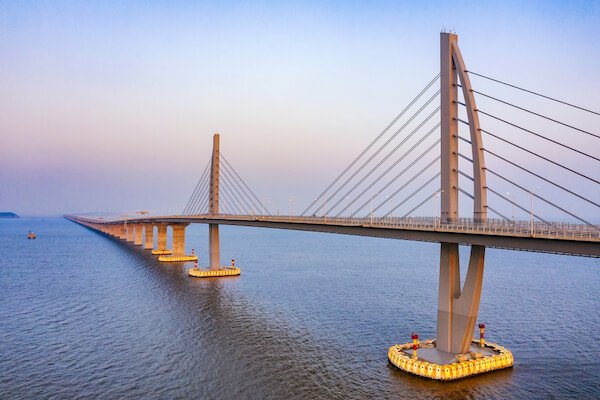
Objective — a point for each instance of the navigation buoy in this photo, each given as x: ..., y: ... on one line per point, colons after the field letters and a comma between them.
x: 415, y: 339
x: 481, y: 332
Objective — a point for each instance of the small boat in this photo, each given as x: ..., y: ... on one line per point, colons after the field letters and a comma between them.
x: 31, y: 235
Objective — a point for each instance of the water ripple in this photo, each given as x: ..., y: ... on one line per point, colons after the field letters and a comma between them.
x: 312, y: 316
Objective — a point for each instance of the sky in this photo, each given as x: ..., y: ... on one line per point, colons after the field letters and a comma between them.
x: 111, y: 106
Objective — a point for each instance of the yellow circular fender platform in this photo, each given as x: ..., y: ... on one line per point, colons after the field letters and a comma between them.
x: 177, y: 258
x: 161, y: 252
x: 499, y: 359
x: 209, y: 273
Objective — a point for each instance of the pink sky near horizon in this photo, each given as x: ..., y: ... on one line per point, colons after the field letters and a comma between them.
x: 108, y: 106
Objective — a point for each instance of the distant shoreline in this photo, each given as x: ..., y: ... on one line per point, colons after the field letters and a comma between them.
x: 8, y: 215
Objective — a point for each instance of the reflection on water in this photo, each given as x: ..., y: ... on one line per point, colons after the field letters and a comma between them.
x: 311, y: 316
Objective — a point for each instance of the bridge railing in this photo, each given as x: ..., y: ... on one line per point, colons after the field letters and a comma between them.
x: 538, y: 229
x: 492, y: 226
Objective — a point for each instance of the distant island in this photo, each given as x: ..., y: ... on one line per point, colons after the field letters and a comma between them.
x: 8, y: 215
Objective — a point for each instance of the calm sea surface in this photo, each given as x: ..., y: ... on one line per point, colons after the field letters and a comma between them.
x: 312, y: 316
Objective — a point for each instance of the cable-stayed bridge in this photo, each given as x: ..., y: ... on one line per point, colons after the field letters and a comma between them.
x: 442, y: 149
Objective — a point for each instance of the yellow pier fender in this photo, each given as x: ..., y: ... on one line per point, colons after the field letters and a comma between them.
x: 225, y: 271
x: 166, y: 258
x: 161, y: 252
x: 402, y: 358
x: 202, y: 273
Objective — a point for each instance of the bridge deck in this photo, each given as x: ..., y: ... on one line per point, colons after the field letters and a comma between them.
x: 560, y: 238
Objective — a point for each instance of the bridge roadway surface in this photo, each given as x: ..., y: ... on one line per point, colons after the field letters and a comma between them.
x: 558, y: 238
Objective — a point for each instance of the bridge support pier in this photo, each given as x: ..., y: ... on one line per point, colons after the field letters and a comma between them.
x: 453, y: 355
x: 214, y: 248
x: 109, y: 230
x: 122, y: 232
x: 162, y: 237
x: 179, y: 240
x: 130, y: 233
x: 161, y: 247
x: 138, y: 235
x: 457, y: 309
x: 178, y: 246
x: 148, y: 237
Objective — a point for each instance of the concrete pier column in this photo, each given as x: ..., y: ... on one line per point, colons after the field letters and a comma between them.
x: 179, y: 239
x: 148, y: 237
x: 137, y: 239
x: 130, y: 232
x: 122, y: 232
x: 162, y: 237
x: 214, y: 250
x: 457, y: 309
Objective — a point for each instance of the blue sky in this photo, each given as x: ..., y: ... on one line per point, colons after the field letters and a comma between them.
x: 111, y: 105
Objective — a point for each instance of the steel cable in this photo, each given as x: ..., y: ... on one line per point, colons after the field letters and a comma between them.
x: 537, y: 134
x: 416, y: 114
x: 195, y: 190
x: 469, y: 195
x: 412, y: 194
x: 224, y: 205
x: 202, y: 188
x: 530, y: 192
x: 534, y: 153
x: 244, y: 205
x: 207, y: 202
x: 194, y: 193
x: 392, y: 181
x: 534, y: 93
x: 372, y: 143
x: 197, y: 205
x: 493, y: 191
x: 537, y: 114
x: 365, y: 190
x: 250, y: 205
x: 419, y: 205
x: 227, y: 196
x: 235, y: 174
x: 516, y: 205
x: 388, y: 198
x: 411, y: 134
x: 543, y: 178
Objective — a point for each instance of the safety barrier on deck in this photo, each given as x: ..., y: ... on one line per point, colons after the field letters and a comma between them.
x: 209, y: 273
x: 501, y: 358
